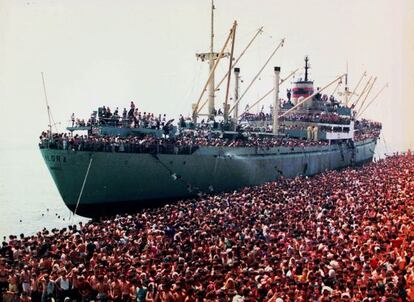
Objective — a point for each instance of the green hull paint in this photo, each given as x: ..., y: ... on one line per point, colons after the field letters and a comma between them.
x: 142, y: 179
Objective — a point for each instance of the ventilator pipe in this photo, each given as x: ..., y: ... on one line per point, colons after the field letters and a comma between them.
x: 276, y: 105
x: 236, y: 95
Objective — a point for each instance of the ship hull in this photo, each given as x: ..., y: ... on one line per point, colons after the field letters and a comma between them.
x: 118, y: 182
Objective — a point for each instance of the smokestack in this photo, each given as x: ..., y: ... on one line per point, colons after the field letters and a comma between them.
x: 276, y: 104
x: 236, y: 95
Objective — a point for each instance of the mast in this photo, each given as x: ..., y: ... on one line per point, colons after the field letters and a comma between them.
x: 259, y: 31
x: 276, y: 104
x: 222, y: 54
x: 47, y: 106
x: 211, y: 59
x: 306, y: 68
x: 346, y: 92
x: 226, y: 106
x: 212, y: 27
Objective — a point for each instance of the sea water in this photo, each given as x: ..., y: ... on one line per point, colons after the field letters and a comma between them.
x: 29, y: 199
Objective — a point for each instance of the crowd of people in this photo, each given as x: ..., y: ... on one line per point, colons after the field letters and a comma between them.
x: 340, y: 236
x: 365, y: 129
x: 253, y: 117
x: 185, y: 143
x: 188, y: 140
x: 325, y: 118
x: 132, y: 118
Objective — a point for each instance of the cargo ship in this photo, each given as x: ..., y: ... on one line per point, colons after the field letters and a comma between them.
x: 124, y: 162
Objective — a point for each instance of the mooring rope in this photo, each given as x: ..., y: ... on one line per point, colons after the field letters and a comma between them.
x: 83, y: 186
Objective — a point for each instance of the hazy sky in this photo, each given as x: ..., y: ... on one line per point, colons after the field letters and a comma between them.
x: 110, y: 52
